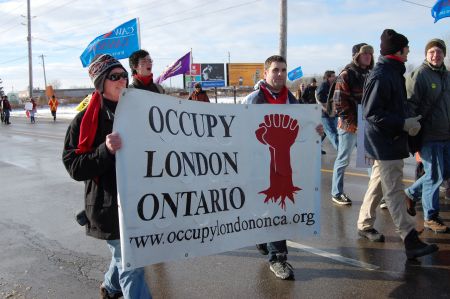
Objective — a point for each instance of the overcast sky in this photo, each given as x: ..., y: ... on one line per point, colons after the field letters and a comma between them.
x: 321, y: 33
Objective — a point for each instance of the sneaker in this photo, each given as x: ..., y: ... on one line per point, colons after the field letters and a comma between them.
x: 435, y: 224
x: 262, y: 248
x: 371, y: 234
x: 414, y: 247
x: 282, y: 269
x: 342, y: 199
x: 383, y: 204
x: 105, y: 295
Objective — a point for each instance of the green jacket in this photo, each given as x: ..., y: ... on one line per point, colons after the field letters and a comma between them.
x: 428, y: 91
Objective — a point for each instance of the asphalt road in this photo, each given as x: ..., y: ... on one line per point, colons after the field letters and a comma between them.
x: 45, y: 253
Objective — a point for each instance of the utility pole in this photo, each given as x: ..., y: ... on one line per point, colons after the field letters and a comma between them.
x: 283, y: 28
x: 43, y: 65
x: 30, y: 59
x: 229, y: 57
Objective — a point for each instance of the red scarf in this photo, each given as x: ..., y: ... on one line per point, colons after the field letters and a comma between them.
x: 146, y: 80
x: 282, y: 95
x: 394, y: 57
x: 89, y: 124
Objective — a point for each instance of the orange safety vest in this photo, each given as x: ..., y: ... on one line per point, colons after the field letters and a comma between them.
x: 53, y: 103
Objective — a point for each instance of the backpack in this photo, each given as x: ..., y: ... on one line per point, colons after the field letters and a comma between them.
x: 330, y: 105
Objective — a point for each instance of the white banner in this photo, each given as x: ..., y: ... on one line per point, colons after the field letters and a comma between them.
x: 362, y: 160
x: 196, y: 178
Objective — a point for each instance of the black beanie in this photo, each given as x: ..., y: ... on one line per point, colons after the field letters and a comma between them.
x: 392, y: 42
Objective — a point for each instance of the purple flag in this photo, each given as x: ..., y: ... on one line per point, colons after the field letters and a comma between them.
x: 179, y: 67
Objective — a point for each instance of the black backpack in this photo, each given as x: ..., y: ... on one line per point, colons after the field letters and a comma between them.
x: 330, y: 105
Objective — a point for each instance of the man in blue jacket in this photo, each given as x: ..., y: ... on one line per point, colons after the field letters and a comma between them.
x: 386, y: 132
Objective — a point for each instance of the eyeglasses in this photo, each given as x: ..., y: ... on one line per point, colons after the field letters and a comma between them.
x: 117, y: 76
x: 144, y: 61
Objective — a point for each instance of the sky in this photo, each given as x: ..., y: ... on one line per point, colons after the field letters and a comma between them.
x: 321, y: 33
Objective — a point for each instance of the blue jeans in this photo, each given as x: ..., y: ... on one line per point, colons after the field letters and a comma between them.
x: 347, y: 141
x: 131, y: 283
x: 277, y: 250
x: 330, y: 128
x: 436, y: 164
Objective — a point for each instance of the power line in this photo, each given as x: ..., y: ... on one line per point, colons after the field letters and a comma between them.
x: 13, y: 17
x: 57, y: 7
x: 12, y: 60
x: 418, y: 4
x: 199, y: 15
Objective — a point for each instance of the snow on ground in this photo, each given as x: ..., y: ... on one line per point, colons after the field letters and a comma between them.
x: 68, y: 111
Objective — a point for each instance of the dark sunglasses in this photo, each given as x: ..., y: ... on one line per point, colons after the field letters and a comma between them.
x: 117, y: 76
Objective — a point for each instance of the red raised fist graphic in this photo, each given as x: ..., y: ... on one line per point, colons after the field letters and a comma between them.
x: 279, y: 131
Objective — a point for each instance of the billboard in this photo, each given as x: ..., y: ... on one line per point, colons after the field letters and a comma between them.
x: 244, y: 74
x: 208, y: 74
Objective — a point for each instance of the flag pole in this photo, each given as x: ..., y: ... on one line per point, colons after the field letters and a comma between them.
x: 139, y: 33
x: 190, y: 72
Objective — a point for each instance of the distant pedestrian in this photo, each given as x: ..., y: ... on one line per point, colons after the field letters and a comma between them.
x: 199, y: 94
x: 329, y: 122
x: 386, y: 131
x: 53, y: 104
x: 89, y: 155
x: 347, y: 96
x: 6, y: 109
x: 309, y: 94
x: 32, y: 110
x: 428, y: 89
x: 141, y: 65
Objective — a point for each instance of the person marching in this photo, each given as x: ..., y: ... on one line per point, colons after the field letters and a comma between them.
x: 89, y: 155
x: 199, y: 94
x: 53, y: 103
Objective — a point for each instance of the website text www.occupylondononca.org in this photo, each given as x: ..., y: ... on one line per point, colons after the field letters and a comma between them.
x: 208, y: 233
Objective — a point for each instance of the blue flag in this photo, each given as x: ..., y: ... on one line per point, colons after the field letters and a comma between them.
x: 295, y: 73
x: 440, y: 10
x: 119, y: 43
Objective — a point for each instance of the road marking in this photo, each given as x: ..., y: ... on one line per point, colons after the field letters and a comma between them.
x: 333, y: 256
x: 361, y: 175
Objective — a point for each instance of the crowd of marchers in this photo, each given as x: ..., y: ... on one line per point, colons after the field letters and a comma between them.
x: 396, y: 109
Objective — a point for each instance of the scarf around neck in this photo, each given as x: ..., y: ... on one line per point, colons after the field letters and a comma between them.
x: 89, y: 123
x: 146, y: 80
x: 272, y: 98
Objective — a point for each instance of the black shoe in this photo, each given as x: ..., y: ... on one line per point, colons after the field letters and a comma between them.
x: 262, y: 248
x: 414, y: 247
x: 371, y: 234
x: 342, y: 199
x: 105, y: 295
x: 410, y: 206
x: 324, y: 152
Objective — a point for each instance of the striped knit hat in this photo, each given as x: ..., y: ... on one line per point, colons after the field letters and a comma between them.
x: 100, y: 68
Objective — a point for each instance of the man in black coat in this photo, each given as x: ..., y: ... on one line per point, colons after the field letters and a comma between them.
x: 386, y: 132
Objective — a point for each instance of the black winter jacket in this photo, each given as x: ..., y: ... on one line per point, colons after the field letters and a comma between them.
x: 97, y: 170
x: 150, y: 87
x: 385, y: 110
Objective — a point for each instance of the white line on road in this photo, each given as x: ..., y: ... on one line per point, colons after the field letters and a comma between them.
x: 333, y: 256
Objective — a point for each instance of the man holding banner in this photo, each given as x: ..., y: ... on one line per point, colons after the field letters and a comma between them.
x: 141, y: 67
x: 273, y: 90
x: 89, y: 156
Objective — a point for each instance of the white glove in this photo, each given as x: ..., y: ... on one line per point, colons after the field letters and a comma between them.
x: 412, y: 123
x: 414, y: 131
